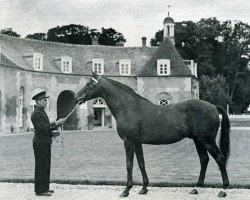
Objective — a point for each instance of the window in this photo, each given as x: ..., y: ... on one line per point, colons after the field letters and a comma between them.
x: 164, y: 102
x: 38, y: 61
x: 99, y: 102
x: 163, y: 67
x: 66, y: 64
x: 125, y: 67
x: 98, y: 66
x: 163, y: 98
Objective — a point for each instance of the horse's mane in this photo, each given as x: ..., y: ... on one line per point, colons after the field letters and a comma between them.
x: 125, y: 87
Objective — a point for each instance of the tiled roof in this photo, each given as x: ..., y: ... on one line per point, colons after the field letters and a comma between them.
x: 19, y: 51
x: 166, y: 51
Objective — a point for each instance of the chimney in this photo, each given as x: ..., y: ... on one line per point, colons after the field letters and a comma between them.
x: 95, y: 41
x: 144, y: 41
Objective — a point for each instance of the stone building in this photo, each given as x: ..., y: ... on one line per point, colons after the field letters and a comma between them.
x: 157, y: 73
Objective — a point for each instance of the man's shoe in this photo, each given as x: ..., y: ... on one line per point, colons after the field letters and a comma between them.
x: 50, y: 191
x: 43, y: 194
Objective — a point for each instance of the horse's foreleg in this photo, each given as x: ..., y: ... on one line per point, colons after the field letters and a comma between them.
x: 204, y: 159
x: 141, y: 163
x: 130, y: 149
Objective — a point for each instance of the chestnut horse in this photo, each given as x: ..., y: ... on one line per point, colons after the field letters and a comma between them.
x: 139, y: 121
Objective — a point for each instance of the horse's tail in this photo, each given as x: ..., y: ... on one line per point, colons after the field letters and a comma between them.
x: 225, y: 133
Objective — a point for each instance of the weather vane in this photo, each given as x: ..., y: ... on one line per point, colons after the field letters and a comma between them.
x: 168, y: 10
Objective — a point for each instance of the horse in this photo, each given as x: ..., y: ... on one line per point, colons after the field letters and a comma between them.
x: 139, y: 121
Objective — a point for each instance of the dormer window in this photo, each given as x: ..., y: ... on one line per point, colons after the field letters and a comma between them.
x: 38, y: 61
x: 66, y: 64
x: 125, y: 67
x: 163, y: 67
x: 98, y: 66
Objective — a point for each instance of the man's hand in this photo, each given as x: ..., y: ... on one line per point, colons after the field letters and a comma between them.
x: 55, y: 133
x: 60, y: 121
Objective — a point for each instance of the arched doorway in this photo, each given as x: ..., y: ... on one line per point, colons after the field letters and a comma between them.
x: 65, y: 104
x: 99, y: 106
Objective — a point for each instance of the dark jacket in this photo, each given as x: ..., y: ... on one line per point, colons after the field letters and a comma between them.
x: 42, y: 126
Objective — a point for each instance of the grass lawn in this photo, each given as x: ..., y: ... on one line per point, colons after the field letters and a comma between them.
x: 97, y: 157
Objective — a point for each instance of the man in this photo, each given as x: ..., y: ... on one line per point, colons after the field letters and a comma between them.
x: 42, y: 144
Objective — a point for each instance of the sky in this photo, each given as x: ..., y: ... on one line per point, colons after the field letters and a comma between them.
x: 133, y: 18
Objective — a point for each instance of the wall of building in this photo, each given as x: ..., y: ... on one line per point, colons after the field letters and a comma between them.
x: 9, y: 87
x: 54, y: 85
x: 11, y: 79
x: 178, y: 87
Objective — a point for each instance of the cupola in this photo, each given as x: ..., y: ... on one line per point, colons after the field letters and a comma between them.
x: 169, y: 24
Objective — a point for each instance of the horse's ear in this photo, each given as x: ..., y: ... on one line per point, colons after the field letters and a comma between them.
x: 95, y: 75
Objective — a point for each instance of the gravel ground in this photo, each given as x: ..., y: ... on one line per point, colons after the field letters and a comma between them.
x: 24, y: 191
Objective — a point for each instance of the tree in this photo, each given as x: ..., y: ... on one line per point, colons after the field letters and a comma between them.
x: 9, y: 31
x: 235, y: 48
x: 219, y: 48
x: 214, y: 90
x: 157, y: 40
x: 73, y: 34
x: 205, y: 66
x: 37, y: 36
x: 111, y: 37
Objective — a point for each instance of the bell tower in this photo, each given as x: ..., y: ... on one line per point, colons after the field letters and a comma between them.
x: 168, y: 30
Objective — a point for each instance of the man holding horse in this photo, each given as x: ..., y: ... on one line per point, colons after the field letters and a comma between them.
x: 42, y: 141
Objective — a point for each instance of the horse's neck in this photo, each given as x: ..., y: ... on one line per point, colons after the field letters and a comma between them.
x: 116, y: 98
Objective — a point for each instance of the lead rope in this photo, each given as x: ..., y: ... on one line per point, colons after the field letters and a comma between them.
x: 60, y: 139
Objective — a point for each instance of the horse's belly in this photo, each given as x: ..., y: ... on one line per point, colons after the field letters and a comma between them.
x: 163, y: 138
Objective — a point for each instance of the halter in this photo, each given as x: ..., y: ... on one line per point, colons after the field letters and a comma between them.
x: 95, y: 83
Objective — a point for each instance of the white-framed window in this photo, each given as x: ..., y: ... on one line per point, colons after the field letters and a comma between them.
x: 66, y: 64
x: 125, y: 67
x: 164, y: 102
x: 100, y: 103
x: 38, y: 61
x: 98, y: 66
x: 163, y: 67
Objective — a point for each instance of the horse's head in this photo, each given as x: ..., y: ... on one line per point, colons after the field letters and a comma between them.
x: 90, y: 90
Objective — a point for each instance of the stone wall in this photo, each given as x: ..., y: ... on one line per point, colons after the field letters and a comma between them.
x: 178, y: 87
x: 9, y: 87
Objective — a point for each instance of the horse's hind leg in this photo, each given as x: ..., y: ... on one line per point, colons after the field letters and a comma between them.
x: 130, y: 150
x: 141, y: 163
x: 220, y: 160
x: 204, y: 159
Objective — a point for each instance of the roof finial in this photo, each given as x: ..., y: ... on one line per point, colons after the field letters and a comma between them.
x: 168, y: 10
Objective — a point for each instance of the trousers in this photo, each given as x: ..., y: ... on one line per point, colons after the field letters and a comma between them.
x: 42, y: 154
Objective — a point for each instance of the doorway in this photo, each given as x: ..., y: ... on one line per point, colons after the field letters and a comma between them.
x: 65, y: 104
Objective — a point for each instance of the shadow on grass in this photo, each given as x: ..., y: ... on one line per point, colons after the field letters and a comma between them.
x: 121, y: 183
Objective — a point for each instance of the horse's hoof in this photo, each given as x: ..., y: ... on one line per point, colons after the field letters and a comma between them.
x: 200, y: 184
x: 124, y: 194
x: 222, y: 194
x: 194, y: 191
x: 143, y: 191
